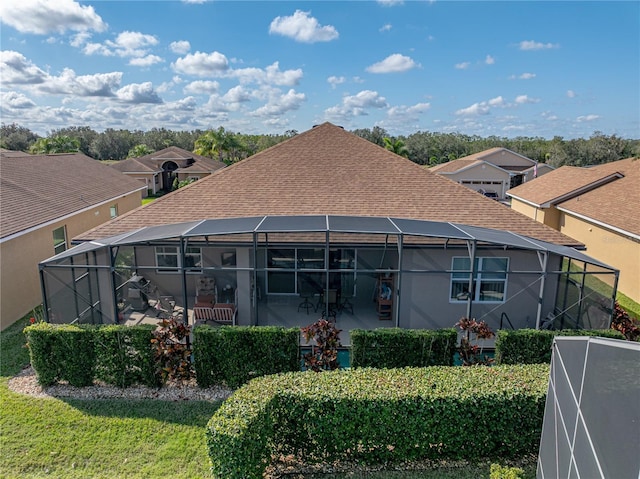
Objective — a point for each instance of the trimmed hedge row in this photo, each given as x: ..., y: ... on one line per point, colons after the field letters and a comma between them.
x: 118, y: 355
x: 233, y: 355
x: 396, y: 348
x: 379, y: 416
x: 532, y: 346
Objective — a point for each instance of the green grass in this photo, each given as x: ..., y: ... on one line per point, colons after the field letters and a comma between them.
x: 629, y: 305
x: 99, y: 438
x: 69, y: 439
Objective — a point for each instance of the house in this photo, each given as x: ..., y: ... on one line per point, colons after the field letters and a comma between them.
x: 330, y: 219
x: 45, y: 200
x: 599, y: 206
x: 493, y: 170
x: 159, y: 170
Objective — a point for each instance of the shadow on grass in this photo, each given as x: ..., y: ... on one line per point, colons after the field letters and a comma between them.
x: 187, y: 413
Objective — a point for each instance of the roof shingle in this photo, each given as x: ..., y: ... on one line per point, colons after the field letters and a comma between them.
x: 327, y: 170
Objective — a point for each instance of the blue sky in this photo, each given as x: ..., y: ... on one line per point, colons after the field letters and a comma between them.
x: 521, y: 68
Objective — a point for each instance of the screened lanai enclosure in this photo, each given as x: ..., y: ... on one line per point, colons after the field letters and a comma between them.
x: 364, y: 272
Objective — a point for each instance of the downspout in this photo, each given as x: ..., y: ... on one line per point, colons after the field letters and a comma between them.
x: 544, y: 261
x: 397, y: 301
x: 471, y: 246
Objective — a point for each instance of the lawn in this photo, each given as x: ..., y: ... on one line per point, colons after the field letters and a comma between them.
x: 148, y: 439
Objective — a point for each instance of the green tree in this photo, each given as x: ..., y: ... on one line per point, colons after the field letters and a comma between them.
x: 396, y: 146
x: 139, y: 150
x: 221, y: 145
x: 16, y: 137
x: 55, y: 144
x: 376, y: 135
x: 114, y: 144
x: 84, y: 134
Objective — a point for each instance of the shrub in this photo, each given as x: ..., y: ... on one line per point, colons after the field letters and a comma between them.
x: 531, y: 346
x: 473, y: 332
x: 124, y: 355
x: 233, y: 355
x: 379, y: 416
x: 61, y: 352
x: 172, y: 354
x: 622, y: 322
x: 505, y: 472
x: 324, y: 338
x: 396, y: 348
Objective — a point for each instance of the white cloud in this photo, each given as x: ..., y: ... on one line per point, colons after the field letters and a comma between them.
x: 403, y: 111
x: 279, y: 104
x: 50, y: 16
x: 522, y: 99
x: 390, y: 3
x: 302, y: 28
x: 357, y: 105
x: 15, y: 100
x: 145, y: 61
x: 571, y: 94
x: 138, y: 93
x: 587, y: 118
x: 496, y: 102
x: 272, y: 75
x: 476, y: 109
x: 202, y: 87
x: 489, y: 60
x: 385, y: 28
x: 181, y: 47
x: 393, y: 64
x: 462, y: 66
x: 523, y: 76
x: 532, y: 45
x: 334, y: 81
x: 201, y: 64
x: 17, y: 70
x: 237, y: 94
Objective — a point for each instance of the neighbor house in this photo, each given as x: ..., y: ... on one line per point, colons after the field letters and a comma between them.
x: 323, y: 224
x: 494, y: 170
x: 45, y: 200
x: 599, y: 206
x: 157, y: 171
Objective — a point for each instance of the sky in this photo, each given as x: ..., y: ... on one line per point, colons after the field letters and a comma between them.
x: 501, y: 68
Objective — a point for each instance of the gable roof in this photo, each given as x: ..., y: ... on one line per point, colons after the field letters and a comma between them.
x: 454, y: 166
x: 152, y: 163
x: 327, y: 170
x: 35, y: 189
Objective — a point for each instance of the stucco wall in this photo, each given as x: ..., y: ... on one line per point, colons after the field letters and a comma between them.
x: 19, y: 279
x: 548, y: 216
x: 612, y: 248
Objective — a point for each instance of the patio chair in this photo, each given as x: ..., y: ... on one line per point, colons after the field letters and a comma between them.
x: 306, y: 290
x: 166, y: 308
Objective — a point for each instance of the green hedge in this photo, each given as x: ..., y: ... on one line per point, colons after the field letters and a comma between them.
x: 531, y: 346
x: 124, y: 355
x: 397, y: 348
x: 232, y: 355
x: 62, y: 352
x: 379, y: 416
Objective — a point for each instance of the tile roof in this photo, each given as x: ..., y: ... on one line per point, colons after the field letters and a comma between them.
x: 35, y: 189
x: 327, y: 170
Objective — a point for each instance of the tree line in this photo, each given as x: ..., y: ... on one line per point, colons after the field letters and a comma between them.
x: 424, y: 148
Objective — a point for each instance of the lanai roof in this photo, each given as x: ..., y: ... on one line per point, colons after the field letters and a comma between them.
x: 328, y: 171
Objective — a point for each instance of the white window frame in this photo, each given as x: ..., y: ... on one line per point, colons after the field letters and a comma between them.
x: 174, y: 251
x: 113, y: 211
x: 482, y: 276
x: 63, y: 243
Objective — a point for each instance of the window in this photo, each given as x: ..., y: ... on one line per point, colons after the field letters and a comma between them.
x: 59, y: 239
x: 489, y: 282
x: 113, y: 211
x: 168, y: 259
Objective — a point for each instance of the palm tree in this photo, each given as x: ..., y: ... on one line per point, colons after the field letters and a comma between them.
x: 139, y: 150
x: 55, y: 144
x: 396, y: 146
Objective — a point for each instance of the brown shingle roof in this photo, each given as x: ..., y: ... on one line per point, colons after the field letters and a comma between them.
x: 35, y: 189
x: 455, y: 165
x: 616, y: 203
x: 327, y: 170
x: 182, y: 157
